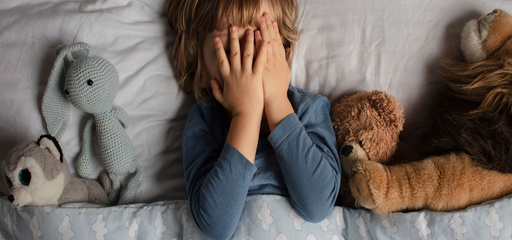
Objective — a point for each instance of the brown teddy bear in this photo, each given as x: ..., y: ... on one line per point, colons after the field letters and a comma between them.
x: 371, y: 121
x: 467, y: 146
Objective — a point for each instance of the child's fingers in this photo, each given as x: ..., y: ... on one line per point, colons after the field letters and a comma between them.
x: 270, y: 28
x: 276, y: 28
x: 248, y: 50
x: 261, y: 59
x: 217, y: 92
x: 234, y: 47
x: 221, y: 57
x: 276, y: 45
x: 257, y: 37
x: 279, y: 48
x: 265, y: 35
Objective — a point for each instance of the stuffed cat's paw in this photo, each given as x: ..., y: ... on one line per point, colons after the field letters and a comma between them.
x: 369, y: 184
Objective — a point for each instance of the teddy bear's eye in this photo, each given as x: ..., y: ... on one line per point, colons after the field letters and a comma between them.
x: 90, y: 82
x: 24, y: 177
x: 9, y: 183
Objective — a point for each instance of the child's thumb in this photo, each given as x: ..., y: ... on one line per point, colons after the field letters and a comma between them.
x: 217, y: 92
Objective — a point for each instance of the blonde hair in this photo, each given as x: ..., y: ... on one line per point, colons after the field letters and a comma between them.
x: 192, y: 20
x: 488, y: 82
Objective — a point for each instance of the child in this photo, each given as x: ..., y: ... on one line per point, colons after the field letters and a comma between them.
x: 250, y: 133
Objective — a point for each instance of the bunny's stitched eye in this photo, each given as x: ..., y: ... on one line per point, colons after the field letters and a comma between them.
x: 90, y: 82
x: 25, y: 177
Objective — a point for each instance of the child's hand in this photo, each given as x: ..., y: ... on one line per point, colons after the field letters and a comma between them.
x: 276, y: 76
x: 243, y: 89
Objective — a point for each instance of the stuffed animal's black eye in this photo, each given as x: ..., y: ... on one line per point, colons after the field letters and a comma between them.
x: 9, y: 183
x: 90, y: 82
x: 25, y: 177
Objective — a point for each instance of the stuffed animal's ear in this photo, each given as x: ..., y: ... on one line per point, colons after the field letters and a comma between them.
x: 51, y: 143
x: 76, y: 48
x: 55, y: 106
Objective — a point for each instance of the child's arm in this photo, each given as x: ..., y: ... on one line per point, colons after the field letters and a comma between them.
x: 218, y: 175
x: 242, y: 94
x: 304, y: 143
x: 305, y: 148
x: 276, y: 76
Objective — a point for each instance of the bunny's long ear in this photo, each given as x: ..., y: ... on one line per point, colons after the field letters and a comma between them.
x: 55, y: 106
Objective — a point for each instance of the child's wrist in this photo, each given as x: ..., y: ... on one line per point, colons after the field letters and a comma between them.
x: 247, y: 114
x: 276, y: 99
x: 244, y: 132
x: 277, y: 110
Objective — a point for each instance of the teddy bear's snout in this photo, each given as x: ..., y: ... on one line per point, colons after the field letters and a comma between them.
x: 346, y: 150
x: 11, y: 198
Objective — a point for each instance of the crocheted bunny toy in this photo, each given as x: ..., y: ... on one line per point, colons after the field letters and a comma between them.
x: 90, y: 83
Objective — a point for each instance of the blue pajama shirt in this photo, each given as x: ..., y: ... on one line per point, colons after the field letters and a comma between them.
x: 298, y: 160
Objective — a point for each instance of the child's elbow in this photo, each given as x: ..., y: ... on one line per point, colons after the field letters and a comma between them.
x: 315, y: 215
x: 217, y: 229
x: 217, y: 234
x: 318, y: 208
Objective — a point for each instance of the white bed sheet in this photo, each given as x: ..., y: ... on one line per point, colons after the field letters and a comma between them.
x: 346, y: 46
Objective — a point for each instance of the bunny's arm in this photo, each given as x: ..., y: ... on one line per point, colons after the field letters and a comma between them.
x: 84, y: 163
x: 121, y: 115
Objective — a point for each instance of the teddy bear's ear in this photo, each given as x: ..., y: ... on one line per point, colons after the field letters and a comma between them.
x: 51, y: 143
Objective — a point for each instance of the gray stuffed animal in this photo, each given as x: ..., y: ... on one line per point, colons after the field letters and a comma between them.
x: 38, y: 174
x: 90, y: 83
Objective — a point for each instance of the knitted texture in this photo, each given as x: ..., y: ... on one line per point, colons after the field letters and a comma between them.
x: 55, y: 107
x: 90, y: 84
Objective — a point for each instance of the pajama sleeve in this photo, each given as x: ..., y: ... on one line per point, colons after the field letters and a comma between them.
x: 217, y: 178
x: 305, y: 148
